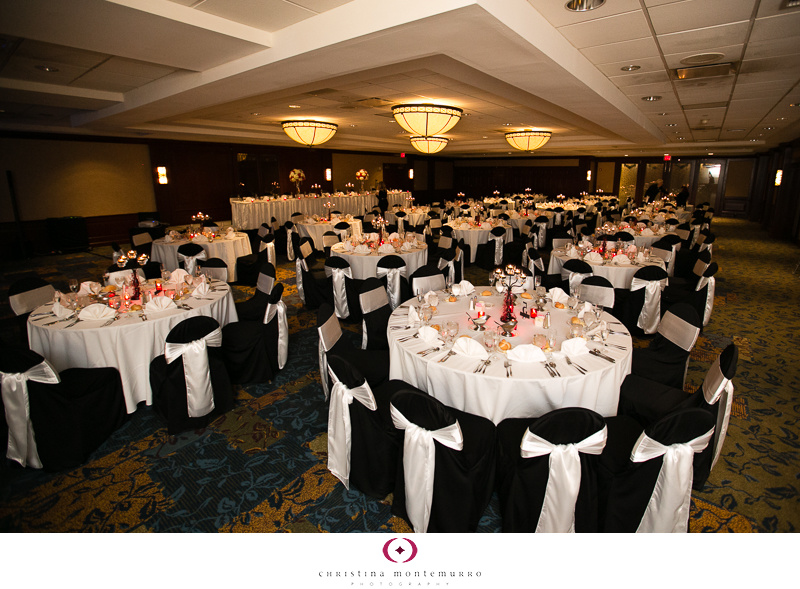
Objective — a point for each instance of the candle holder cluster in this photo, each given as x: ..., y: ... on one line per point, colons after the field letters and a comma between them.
x: 328, y: 205
x: 200, y: 217
x: 508, y: 278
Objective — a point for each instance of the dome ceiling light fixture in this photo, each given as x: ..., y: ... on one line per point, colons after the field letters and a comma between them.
x: 309, y: 132
x: 429, y: 144
x: 528, y: 140
x: 427, y: 120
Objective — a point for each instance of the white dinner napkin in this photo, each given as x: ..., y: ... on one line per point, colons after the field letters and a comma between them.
x: 96, y: 312
x: 174, y: 234
x: 167, y: 239
x: 230, y: 233
x: 413, y: 316
x: 596, y: 329
x: 558, y: 295
x: 86, y: 287
x: 574, y: 347
x: 526, y: 353
x: 593, y: 258
x: 586, y: 244
x: 486, y: 225
x: 621, y: 260
x: 362, y: 249
x: 463, y: 288
x: 583, y: 309
x: 572, y: 252
x: 647, y: 231
x: 406, y: 247
x: 429, y: 335
x: 386, y: 248
x: 373, y: 237
x: 177, y: 275
x: 62, y: 312
x: 200, y: 238
x: 349, y: 247
x: 466, y: 346
x: 464, y: 226
x: 393, y: 236
x: 201, y: 290
x: 158, y: 304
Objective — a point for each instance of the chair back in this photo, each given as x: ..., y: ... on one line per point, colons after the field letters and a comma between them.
x: 26, y: 294
x: 375, y: 312
x: 339, y: 271
x: 214, y: 268
x: 392, y: 268
x: 426, y: 278
x: 645, y: 301
x: 598, y: 290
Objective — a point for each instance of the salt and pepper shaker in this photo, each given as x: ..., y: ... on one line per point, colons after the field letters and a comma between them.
x: 546, y: 322
x: 472, y: 304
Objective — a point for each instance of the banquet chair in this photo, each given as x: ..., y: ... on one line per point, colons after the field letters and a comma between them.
x: 546, y: 471
x: 254, y: 350
x: 701, y: 298
x: 426, y: 278
x: 329, y: 239
x: 375, y: 313
x: 214, y: 268
x: 558, y: 217
x: 451, y: 263
x: 688, y: 281
x: 641, y: 313
x: 363, y: 444
x: 536, y: 265
x: 687, y: 258
x: 373, y: 364
x: 190, y: 383
x: 646, y: 476
x: 401, y: 217
x: 541, y: 222
x: 342, y: 289
x: 312, y: 281
x: 573, y: 272
x: 490, y: 255
x: 342, y: 230
x: 188, y: 256
x: 142, y: 242
x: 446, y: 469
x: 666, y: 359
x: 56, y: 420
x: 292, y: 239
x: 113, y: 272
x: 24, y: 295
x: 561, y: 241
x: 623, y: 236
x: 253, y: 309
x: 247, y: 267
x: 390, y: 271
x: 672, y: 241
x: 684, y: 231
x: 598, y: 290
x: 671, y: 224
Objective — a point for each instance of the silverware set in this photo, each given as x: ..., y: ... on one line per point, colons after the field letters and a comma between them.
x: 481, y: 369
x: 549, y: 369
x: 408, y: 337
x: 424, y: 353
x: 110, y: 321
x: 446, y: 356
x: 600, y: 354
x: 507, y: 365
x: 70, y: 318
x: 577, y: 367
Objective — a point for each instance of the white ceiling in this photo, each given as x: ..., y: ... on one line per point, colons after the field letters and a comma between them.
x: 228, y: 70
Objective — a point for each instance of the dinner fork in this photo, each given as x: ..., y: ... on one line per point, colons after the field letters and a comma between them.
x: 577, y: 367
x: 481, y: 364
x: 508, y: 368
x: 408, y: 337
x: 486, y: 365
x: 446, y: 356
x: 428, y: 351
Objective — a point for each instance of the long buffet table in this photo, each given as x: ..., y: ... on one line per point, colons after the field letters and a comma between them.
x: 250, y: 213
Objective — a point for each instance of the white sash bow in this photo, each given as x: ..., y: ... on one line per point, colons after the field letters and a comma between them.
x: 393, y: 282
x: 199, y: 393
x: 299, y: 267
x: 542, y: 234
x: 21, y: 439
x: 289, y: 247
x: 451, y: 268
x: 709, y: 306
x: 668, y: 508
x: 190, y: 262
x: 279, y: 309
x: 650, y: 316
x: 564, y: 480
x: 419, y: 464
x: 499, y: 240
x: 329, y: 333
x: 339, y: 429
x: 338, y: 282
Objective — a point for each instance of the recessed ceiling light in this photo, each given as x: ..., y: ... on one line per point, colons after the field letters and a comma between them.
x: 662, y: 114
x: 47, y: 68
x: 506, y: 124
x: 294, y: 106
x: 794, y: 103
x: 781, y: 119
x: 753, y: 140
x: 631, y: 68
x: 672, y: 124
x: 256, y: 114
x: 352, y: 125
x: 583, y: 5
x: 735, y: 130
x: 681, y: 138
x: 651, y: 98
x: 768, y: 128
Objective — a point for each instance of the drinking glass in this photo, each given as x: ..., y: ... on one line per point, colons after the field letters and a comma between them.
x: 604, y: 335
x: 598, y: 311
x: 73, y: 285
x: 433, y: 300
x: 537, y: 282
x: 451, y: 329
x: 427, y: 313
x: 489, y: 340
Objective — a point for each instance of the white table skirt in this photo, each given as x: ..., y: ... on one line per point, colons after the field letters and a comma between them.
x: 316, y: 230
x: 475, y: 237
x: 618, y: 276
x: 417, y: 217
x: 250, y: 215
x: 129, y: 344
x: 226, y: 249
x: 365, y: 265
x: 530, y: 392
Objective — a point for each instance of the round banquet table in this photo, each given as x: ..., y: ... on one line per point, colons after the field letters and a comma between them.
x: 475, y: 236
x: 365, y: 265
x: 315, y: 229
x: 414, y: 217
x: 530, y: 391
x: 128, y: 344
x: 226, y: 249
x: 618, y: 276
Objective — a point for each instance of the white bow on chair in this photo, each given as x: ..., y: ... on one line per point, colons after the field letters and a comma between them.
x: 279, y: 309
x: 650, y: 315
x: 337, y: 276
x: 199, y: 393
x: 190, y: 262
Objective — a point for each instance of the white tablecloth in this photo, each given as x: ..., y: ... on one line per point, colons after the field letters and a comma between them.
x: 413, y: 217
x: 129, y: 344
x: 250, y: 215
x: 365, y: 265
x: 226, y: 249
x: 475, y: 236
x: 618, y: 276
x: 315, y: 230
x: 530, y: 392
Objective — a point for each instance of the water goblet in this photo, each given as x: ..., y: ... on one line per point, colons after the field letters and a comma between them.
x: 451, y: 329
x: 604, y: 335
x: 598, y: 311
x: 489, y: 340
x: 73, y: 285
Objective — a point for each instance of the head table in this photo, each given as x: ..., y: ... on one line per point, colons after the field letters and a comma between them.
x: 530, y: 391
x: 128, y: 344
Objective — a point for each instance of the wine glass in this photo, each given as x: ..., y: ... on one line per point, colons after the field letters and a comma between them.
x: 598, y: 311
x: 451, y: 332
x: 604, y: 335
x: 73, y: 285
x: 119, y: 280
x: 537, y: 281
x: 433, y: 300
x: 489, y: 340
x: 427, y: 313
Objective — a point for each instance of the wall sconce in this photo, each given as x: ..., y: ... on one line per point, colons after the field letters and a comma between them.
x: 411, y: 173
x: 328, y: 174
x: 778, y: 177
x: 162, y: 175
x: 589, y: 175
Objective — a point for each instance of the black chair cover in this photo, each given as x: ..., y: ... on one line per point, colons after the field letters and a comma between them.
x: 375, y: 318
x: 634, y: 300
x: 216, y: 266
x: 253, y: 308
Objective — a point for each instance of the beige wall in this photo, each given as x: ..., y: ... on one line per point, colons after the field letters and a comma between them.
x: 75, y: 178
x: 345, y: 166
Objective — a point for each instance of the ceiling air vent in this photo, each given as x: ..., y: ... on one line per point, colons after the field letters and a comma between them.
x: 789, y: 4
x: 704, y: 71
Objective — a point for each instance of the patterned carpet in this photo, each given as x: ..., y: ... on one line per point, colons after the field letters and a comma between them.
x: 261, y: 467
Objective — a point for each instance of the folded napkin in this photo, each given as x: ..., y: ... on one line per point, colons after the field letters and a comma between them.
x: 413, y: 316
x: 647, y: 231
x: 362, y: 249
x: 466, y: 346
x: 349, y: 247
x: 393, y: 236
x: 429, y: 335
x: 428, y: 296
x: 86, y: 287
x: 62, y: 312
x: 586, y: 244
x: 486, y: 225
x: 574, y: 347
x: 464, y: 226
x: 661, y: 230
x: 174, y: 234
x: 583, y: 309
x: 572, y: 252
x: 558, y: 295
x: 386, y: 248
x: 526, y: 353
x: 96, y: 312
x: 201, y: 290
x: 596, y: 329
x: 640, y: 258
x: 373, y: 237
x: 200, y: 238
x: 167, y: 239
x: 593, y: 258
x: 230, y: 233
x: 621, y: 260
x: 158, y: 304
x: 630, y: 230
x: 463, y: 288
x: 407, y: 247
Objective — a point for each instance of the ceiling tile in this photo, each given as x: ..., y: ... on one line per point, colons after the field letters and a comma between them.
x: 268, y: 15
x: 786, y: 24
x: 761, y: 89
x: 660, y: 88
x: 24, y: 68
x: 622, y: 27
x: 676, y: 16
x: 704, y: 39
x: 773, y: 7
x: 646, y: 65
x: 773, y: 47
x: 623, y: 51
x: 558, y: 16
x: 640, y: 79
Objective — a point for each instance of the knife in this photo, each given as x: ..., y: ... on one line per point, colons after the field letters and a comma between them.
x: 599, y: 354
